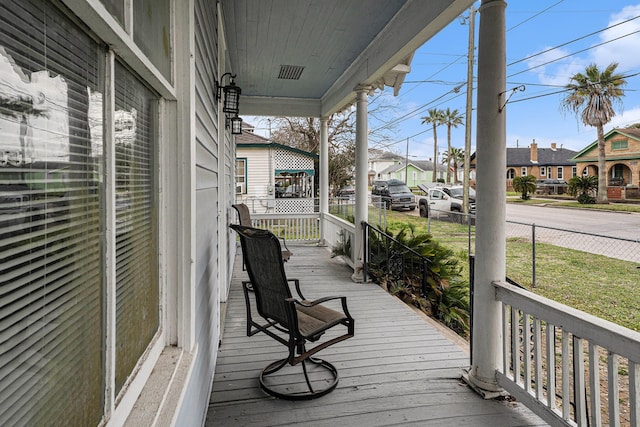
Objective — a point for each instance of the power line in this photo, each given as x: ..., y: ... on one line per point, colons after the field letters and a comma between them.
x: 574, y: 53
x: 536, y: 15
x: 571, y: 41
x: 419, y: 109
x: 562, y: 91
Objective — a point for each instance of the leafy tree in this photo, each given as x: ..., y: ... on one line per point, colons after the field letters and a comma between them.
x: 583, y: 186
x: 304, y: 133
x: 592, y: 94
x: 435, y: 118
x: 456, y: 156
x: 453, y: 119
x: 525, y: 185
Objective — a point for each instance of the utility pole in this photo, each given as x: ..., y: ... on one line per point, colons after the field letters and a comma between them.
x: 467, y: 137
x: 406, y: 165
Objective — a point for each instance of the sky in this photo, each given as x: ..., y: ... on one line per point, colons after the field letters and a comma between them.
x: 548, y: 41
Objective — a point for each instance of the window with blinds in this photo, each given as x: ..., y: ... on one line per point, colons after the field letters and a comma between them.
x: 137, y: 295
x: 52, y: 219
x: 51, y: 289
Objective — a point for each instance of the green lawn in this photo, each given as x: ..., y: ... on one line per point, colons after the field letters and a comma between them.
x: 570, y: 277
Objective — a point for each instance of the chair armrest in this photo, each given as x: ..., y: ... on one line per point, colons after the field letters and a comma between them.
x: 343, y: 302
x: 296, y: 282
x: 306, y: 303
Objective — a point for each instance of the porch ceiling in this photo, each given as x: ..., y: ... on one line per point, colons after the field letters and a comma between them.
x: 339, y: 44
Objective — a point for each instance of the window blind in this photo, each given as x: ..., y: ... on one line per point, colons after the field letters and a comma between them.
x: 137, y: 294
x: 51, y: 292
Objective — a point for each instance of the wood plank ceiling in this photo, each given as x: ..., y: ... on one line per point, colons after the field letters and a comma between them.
x: 305, y: 57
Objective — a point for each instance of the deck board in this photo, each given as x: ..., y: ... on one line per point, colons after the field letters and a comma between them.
x: 398, y: 369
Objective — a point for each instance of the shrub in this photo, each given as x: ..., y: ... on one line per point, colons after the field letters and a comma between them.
x: 397, y: 262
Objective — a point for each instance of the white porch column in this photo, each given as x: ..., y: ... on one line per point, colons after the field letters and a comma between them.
x: 324, y: 177
x: 491, y: 200
x: 362, y: 158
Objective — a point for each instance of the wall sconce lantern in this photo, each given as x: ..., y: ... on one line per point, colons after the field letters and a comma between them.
x: 236, y: 125
x: 231, y: 94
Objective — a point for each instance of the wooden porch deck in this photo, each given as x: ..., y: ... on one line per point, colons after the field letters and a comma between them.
x: 399, y: 369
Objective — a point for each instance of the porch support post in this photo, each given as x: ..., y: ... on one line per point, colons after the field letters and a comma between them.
x: 362, y: 157
x: 491, y: 200
x: 324, y: 177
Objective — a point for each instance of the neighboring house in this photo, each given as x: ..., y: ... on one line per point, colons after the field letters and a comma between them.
x: 543, y: 163
x: 380, y: 160
x: 269, y: 176
x: 622, y: 153
x: 416, y: 172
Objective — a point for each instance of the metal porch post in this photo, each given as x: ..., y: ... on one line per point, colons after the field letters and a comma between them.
x: 490, y: 251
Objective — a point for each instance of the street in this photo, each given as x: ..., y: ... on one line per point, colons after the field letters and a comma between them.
x: 578, y: 229
x: 613, y: 224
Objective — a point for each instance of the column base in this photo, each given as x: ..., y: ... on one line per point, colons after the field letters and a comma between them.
x: 357, y: 275
x: 486, y: 389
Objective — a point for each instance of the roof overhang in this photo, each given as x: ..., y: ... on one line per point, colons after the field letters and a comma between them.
x: 324, y: 49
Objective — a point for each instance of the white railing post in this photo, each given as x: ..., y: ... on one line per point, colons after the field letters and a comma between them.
x: 579, y: 332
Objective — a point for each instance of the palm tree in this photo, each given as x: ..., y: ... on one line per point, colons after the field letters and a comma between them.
x: 456, y: 156
x: 435, y: 118
x: 596, y: 91
x: 524, y: 185
x: 451, y: 118
x: 584, y: 185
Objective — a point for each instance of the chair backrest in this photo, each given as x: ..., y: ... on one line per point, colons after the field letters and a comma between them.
x: 263, y: 258
x: 244, y: 216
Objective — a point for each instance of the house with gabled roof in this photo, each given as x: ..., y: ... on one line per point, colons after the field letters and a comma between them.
x: 416, y: 172
x: 543, y: 163
x: 379, y: 160
x: 622, y: 154
x: 267, y: 170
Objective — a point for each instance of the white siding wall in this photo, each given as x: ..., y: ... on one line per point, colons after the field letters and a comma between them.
x: 208, y: 179
x: 259, y: 171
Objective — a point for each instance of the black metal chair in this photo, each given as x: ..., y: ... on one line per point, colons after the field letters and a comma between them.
x: 293, y: 322
x: 244, y: 218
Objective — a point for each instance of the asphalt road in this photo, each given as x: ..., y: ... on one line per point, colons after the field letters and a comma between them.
x: 613, y: 234
x: 613, y: 224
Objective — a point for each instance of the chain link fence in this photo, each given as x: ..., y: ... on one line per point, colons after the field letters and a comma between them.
x: 546, y: 243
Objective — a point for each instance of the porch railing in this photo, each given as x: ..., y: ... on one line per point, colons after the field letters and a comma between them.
x: 292, y: 227
x: 570, y: 367
x: 340, y: 236
x: 391, y: 261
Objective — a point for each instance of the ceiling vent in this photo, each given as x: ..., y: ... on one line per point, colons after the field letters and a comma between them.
x: 290, y: 72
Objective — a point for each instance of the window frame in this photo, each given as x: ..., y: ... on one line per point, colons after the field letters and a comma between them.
x: 244, y: 175
x: 622, y: 144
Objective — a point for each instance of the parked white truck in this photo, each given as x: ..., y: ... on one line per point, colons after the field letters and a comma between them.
x: 439, y: 199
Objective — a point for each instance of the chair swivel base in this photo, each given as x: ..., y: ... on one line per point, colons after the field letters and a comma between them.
x: 311, y: 392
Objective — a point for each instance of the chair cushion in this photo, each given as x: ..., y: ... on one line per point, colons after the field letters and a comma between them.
x: 317, y: 319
